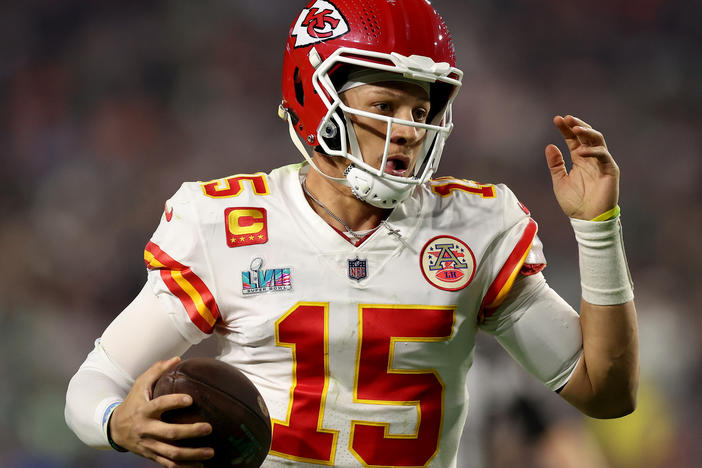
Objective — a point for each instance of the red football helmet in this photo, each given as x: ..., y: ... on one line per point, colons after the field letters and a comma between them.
x: 403, y: 37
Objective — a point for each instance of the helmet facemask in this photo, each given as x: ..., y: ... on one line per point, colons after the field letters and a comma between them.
x: 336, y: 136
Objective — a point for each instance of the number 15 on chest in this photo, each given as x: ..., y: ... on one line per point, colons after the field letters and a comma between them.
x: 305, y: 330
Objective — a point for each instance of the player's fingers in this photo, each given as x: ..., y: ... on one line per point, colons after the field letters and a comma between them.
x: 159, y: 405
x: 599, y: 152
x: 176, y: 454
x: 563, y: 127
x: 556, y: 164
x: 163, y: 461
x: 167, y: 431
x: 605, y: 161
x: 571, y: 138
x: 589, y: 136
x: 572, y: 121
x: 151, y: 375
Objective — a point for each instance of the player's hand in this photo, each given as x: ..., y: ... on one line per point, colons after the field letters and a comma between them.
x: 136, y: 425
x: 591, y: 187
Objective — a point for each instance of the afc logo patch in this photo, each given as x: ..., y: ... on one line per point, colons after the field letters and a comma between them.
x: 246, y: 226
x: 318, y: 23
x: 447, y: 263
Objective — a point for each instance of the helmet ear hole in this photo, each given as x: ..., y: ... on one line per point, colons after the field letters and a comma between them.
x: 330, y: 130
x: 299, y: 90
x: 331, y: 133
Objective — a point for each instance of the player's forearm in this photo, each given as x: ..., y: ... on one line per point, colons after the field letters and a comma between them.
x: 606, y: 380
x: 96, y: 386
x: 141, y: 335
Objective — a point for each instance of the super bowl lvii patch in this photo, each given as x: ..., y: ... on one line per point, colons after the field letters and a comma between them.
x: 257, y: 280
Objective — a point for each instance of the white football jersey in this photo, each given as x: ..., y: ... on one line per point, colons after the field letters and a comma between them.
x: 360, y: 351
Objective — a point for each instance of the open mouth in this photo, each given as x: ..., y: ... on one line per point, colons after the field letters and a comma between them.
x: 397, y: 166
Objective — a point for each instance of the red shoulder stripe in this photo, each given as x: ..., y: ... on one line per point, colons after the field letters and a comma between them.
x: 505, y: 278
x: 186, y: 286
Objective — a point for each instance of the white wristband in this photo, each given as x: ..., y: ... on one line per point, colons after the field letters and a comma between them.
x: 106, y: 426
x: 604, y: 274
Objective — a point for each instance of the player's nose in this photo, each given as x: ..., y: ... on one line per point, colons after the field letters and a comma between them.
x: 405, y: 134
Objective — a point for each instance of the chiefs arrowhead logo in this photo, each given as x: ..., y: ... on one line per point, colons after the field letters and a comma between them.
x: 318, y: 23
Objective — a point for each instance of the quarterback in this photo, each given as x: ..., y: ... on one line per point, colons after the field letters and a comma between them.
x: 350, y: 287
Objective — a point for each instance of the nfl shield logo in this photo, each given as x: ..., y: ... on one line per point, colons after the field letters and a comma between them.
x: 357, y: 269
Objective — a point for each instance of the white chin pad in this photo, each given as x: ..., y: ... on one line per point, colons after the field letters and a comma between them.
x: 377, y: 191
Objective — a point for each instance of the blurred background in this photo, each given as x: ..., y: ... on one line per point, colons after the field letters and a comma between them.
x: 107, y: 106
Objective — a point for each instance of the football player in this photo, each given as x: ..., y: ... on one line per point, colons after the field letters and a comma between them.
x: 350, y: 287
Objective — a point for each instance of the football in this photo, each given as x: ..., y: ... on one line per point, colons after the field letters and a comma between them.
x: 226, y: 398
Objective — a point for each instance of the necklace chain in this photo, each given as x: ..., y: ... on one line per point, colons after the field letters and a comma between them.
x: 353, y: 233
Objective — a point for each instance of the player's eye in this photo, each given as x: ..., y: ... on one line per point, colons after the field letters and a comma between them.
x: 382, y: 107
x: 419, y: 114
